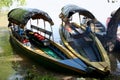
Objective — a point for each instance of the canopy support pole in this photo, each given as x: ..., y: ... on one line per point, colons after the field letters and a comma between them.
x: 79, y: 18
x: 30, y: 24
x: 52, y: 32
x: 38, y: 24
x: 44, y: 27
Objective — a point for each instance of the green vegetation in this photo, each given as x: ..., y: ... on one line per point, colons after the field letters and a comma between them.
x: 8, y: 3
x: 5, y: 55
x: 5, y: 68
x: 112, y: 77
x: 4, y: 43
x: 3, y: 19
x: 5, y: 3
x: 46, y: 77
x: 33, y: 74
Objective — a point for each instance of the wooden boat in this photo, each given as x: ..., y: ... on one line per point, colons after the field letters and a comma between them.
x: 113, y: 30
x: 38, y: 44
x: 84, y: 45
x: 98, y: 28
x: 110, y: 37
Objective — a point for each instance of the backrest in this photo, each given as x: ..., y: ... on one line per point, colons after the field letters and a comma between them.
x: 42, y: 30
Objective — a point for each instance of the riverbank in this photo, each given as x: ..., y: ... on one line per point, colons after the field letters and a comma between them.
x: 3, y: 19
x: 14, y: 65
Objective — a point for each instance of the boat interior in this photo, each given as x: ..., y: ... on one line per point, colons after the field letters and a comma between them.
x: 43, y: 44
x: 38, y: 40
x: 83, y: 43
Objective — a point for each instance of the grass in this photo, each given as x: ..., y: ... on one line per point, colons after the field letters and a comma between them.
x: 32, y: 74
x: 4, y: 43
x: 5, y: 68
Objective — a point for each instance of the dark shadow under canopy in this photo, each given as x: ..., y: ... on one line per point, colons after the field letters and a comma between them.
x: 21, y: 15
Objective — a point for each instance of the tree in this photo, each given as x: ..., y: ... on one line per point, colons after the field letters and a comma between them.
x: 8, y: 3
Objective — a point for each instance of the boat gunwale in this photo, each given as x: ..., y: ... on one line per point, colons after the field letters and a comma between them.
x: 52, y: 60
x: 93, y: 64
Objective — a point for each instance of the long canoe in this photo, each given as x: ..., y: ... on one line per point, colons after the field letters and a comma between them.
x: 86, y: 46
x: 47, y: 52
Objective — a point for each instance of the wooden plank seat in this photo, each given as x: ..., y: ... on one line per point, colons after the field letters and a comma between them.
x: 39, y: 37
x: 41, y: 30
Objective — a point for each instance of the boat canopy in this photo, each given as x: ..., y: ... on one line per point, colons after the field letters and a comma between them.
x: 22, y: 15
x: 69, y: 10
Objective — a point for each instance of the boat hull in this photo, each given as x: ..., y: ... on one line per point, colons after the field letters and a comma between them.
x: 47, y: 62
x: 99, y: 66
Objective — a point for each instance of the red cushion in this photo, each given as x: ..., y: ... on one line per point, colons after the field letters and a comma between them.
x: 25, y: 41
